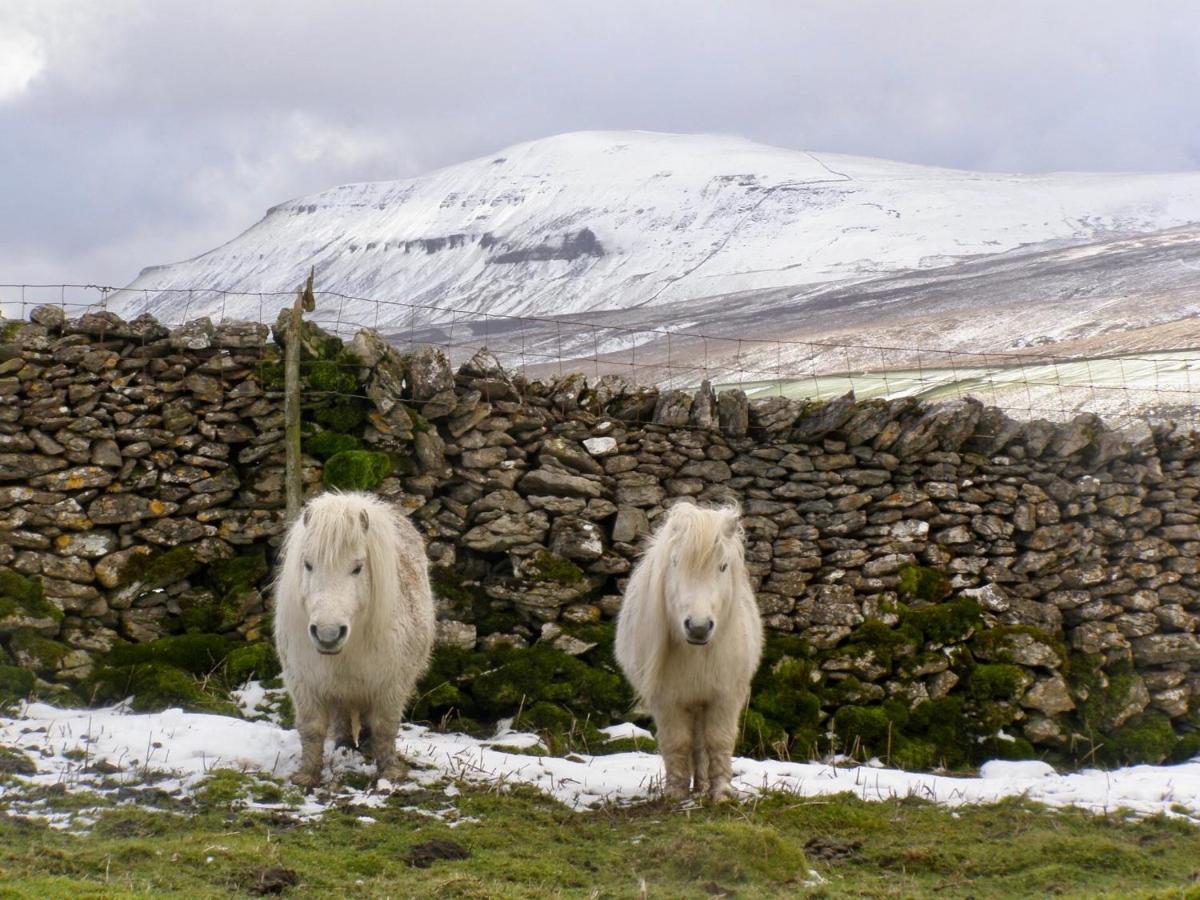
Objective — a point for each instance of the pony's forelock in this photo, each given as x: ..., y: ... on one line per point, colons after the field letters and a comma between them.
x: 331, y: 533
x: 694, y: 533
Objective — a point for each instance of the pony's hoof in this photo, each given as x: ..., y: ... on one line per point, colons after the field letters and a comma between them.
x: 306, y: 780
x: 395, y: 773
x: 676, y: 792
x: 721, y: 793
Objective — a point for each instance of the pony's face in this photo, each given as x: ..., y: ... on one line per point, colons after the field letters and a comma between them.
x: 699, y: 587
x: 335, y: 591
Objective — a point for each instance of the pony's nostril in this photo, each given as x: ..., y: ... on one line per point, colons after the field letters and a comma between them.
x: 687, y: 623
x: 312, y: 630
x: 342, y: 632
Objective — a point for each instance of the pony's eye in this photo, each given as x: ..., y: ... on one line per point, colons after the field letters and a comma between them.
x: 724, y: 566
x: 307, y: 566
x: 356, y: 569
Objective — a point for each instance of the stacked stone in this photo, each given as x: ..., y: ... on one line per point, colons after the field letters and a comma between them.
x: 120, y: 441
x: 1069, y: 530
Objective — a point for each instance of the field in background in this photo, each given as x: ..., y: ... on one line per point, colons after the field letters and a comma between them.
x: 1117, y: 388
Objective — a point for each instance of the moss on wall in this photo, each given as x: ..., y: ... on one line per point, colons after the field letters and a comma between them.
x: 21, y: 596
x: 357, y: 470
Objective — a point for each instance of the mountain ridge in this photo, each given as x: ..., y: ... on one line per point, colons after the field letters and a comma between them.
x: 610, y: 220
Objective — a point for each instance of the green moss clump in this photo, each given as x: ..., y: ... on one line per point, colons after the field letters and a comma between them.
x: 357, y: 470
x: 258, y: 660
x: 239, y: 574
x: 870, y: 726
x: 330, y: 443
x: 197, y: 654
x: 471, y: 603
x: 996, y: 681
x: 785, y: 697
x: 943, y: 723
x: 1187, y: 749
x: 16, y: 684
x: 884, y: 644
x: 1107, y: 693
x: 945, y: 623
x: 24, y: 596
x: 1148, y: 738
x: 784, y: 704
x: 45, y: 654
x: 763, y: 737
x: 157, y: 686
x: 993, y: 643
x: 332, y: 376
x: 547, y: 566
x: 204, y: 612
x: 270, y: 372
x: 157, y: 570
x: 1008, y: 747
x: 922, y: 583
x: 189, y: 671
x: 342, y: 414
x: 566, y: 696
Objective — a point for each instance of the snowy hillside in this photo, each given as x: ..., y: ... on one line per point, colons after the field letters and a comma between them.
x: 607, y: 220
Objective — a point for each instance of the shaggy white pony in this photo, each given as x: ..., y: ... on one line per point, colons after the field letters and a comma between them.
x: 689, y: 637
x: 354, y: 625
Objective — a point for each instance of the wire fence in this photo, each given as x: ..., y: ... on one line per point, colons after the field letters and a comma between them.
x: 1124, y: 388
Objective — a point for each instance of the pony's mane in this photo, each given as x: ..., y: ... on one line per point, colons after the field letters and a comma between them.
x: 694, y: 532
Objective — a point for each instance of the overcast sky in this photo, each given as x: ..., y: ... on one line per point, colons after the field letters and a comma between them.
x: 140, y: 132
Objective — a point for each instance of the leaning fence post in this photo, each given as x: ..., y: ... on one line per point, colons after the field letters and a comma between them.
x: 293, y: 470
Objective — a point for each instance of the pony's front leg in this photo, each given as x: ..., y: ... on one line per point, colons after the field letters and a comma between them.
x: 343, y: 729
x: 699, y: 751
x: 384, y: 726
x: 720, y: 735
x: 675, y: 745
x: 312, y: 721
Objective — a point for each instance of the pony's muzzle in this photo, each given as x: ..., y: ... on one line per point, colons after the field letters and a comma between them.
x: 328, y: 638
x: 698, y: 631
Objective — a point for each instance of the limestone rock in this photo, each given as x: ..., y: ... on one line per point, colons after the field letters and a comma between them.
x: 576, y: 538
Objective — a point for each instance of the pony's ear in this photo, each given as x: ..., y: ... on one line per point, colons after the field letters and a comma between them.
x: 364, y: 519
x: 306, y: 515
x: 730, y: 526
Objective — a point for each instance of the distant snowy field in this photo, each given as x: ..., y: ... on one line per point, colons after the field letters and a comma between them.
x: 114, y: 752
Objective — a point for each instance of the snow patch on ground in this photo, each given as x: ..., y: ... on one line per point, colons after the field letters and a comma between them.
x: 114, y: 752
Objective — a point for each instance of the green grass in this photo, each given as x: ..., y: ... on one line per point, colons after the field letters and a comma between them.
x: 525, y: 845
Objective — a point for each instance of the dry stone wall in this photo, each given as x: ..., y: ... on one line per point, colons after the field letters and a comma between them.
x: 921, y: 566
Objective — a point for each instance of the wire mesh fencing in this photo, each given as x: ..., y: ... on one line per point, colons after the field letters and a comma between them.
x: 1026, y: 383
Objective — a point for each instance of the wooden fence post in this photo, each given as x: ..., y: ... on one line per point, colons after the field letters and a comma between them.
x: 293, y: 475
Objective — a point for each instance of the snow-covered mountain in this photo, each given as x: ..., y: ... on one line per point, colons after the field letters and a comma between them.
x: 610, y: 220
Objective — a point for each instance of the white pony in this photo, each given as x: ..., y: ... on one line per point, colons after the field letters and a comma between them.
x: 689, y: 637
x: 354, y: 625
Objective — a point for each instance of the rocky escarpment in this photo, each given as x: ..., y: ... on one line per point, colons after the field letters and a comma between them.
x: 940, y: 583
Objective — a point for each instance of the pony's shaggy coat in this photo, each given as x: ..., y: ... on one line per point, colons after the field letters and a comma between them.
x: 693, y: 570
x: 352, y: 559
